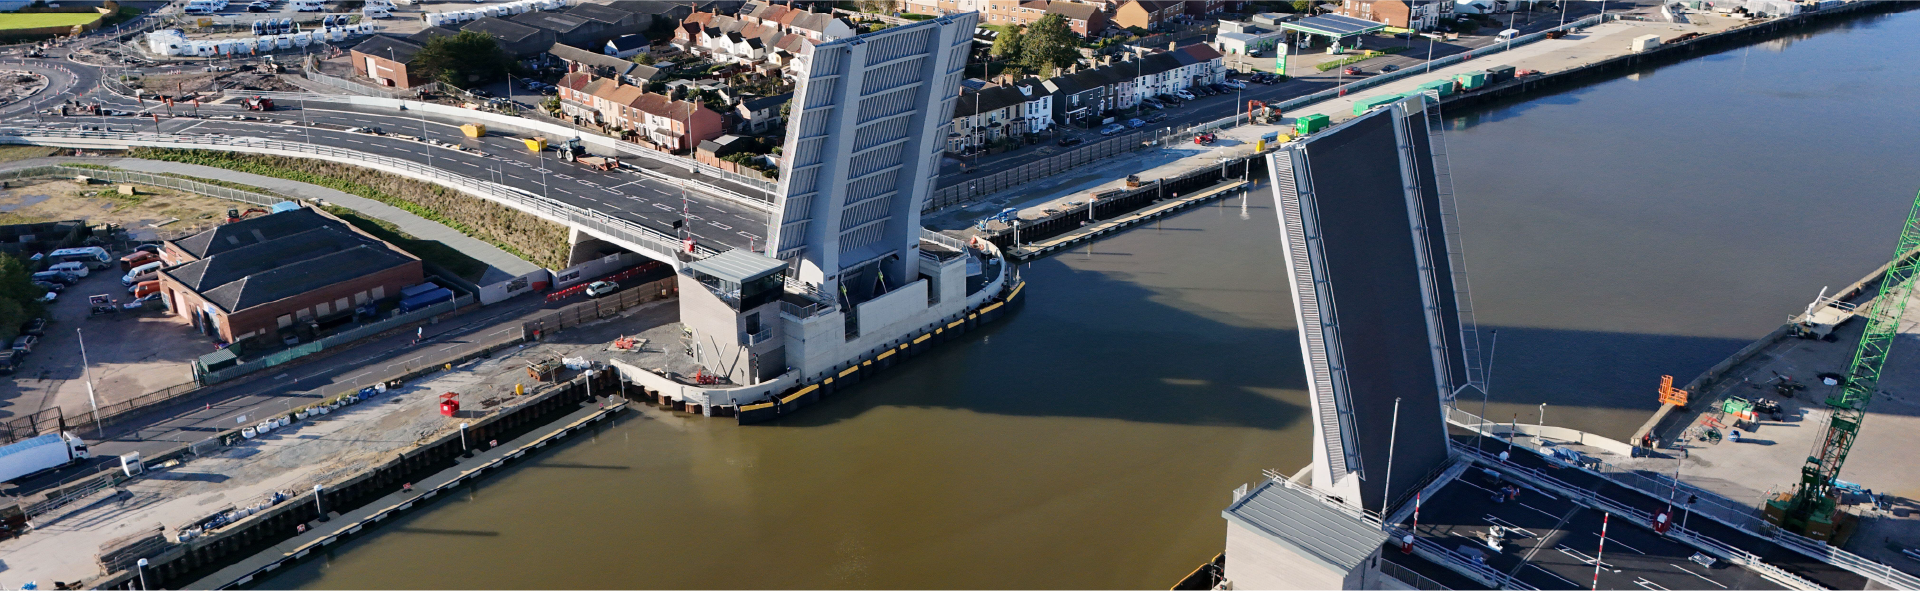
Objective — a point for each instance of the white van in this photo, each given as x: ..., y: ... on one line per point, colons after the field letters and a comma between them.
x: 96, y: 252
x: 76, y: 268
x: 142, y: 273
x: 200, y: 7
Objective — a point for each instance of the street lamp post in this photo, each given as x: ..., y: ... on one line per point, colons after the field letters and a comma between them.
x: 141, y: 568
x: 316, y: 504
x: 1430, y: 52
x: 91, y: 400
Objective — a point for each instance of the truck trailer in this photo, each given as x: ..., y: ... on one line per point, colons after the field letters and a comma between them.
x: 32, y: 455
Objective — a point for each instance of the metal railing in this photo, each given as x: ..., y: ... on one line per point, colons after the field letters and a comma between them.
x: 618, y: 229
x: 331, y: 341
x: 127, y: 176
x: 1413, y: 579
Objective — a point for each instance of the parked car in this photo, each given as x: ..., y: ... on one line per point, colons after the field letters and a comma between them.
x: 9, y: 362
x: 601, y: 288
x: 1235, y: 84
x: 1113, y: 128
x: 56, y: 277
x: 36, y: 327
x: 1184, y: 94
x: 1069, y: 141
x: 1232, y: 73
x: 48, y: 286
x: 24, y: 344
x: 1168, y: 98
x: 1136, y: 123
x: 1389, y: 68
x: 1152, y: 105
x: 1157, y: 118
x: 1218, y: 89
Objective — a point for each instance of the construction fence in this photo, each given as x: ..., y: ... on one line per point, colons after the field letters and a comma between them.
x: 591, y: 310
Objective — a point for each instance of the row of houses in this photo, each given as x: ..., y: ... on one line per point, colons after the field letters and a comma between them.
x: 651, y: 119
x: 1081, y: 97
x: 761, y: 33
x: 1086, y: 17
x: 386, y: 59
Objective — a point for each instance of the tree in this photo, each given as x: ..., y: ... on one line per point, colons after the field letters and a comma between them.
x: 461, y: 60
x: 645, y: 59
x: 1303, y: 5
x: 1048, y: 45
x: 1007, y: 46
x: 19, y: 299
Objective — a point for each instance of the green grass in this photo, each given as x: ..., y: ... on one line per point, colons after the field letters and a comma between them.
x: 447, y: 257
x: 1353, y: 59
x: 37, y: 20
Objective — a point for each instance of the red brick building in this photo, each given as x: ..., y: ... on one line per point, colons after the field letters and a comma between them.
x: 254, y: 277
x: 385, y: 60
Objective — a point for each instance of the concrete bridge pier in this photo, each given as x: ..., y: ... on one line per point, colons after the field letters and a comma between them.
x: 584, y: 247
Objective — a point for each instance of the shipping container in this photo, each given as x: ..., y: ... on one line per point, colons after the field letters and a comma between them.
x: 1368, y: 104
x: 1307, y: 124
x: 408, y: 292
x: 425, y: 299
x: 1472, y: 80
x: 1498, y: 74
x: 1444, y: 87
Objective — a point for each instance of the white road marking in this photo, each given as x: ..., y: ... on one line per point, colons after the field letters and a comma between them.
x: 1698, y: 575
x: 1618, y: 543
x: 1649, y: 585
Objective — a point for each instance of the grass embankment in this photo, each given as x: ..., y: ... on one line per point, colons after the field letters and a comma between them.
x: 432, y: 251
x: 533, y: 239
x: 16, y: 153
x: 1354, y: 59
x: 35, y: 20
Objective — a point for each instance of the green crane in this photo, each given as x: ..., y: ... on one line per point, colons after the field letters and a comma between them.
x: 1811, y: 509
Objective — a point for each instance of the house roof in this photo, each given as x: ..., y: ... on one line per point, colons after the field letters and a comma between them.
x: 766, y: 102
x: 421, y: 37
x: 1307, y: 525
x: 576, y: 80
x: 502, y: 29
x: 593, y: 59
x: 249, y: 232
x: 1196, y: 53
x: 323, y: 252
x: 600, y: 13
x: 557, y: 22
x: 724, y: 145
x: 649, y: 7
x: 626, y: 42
x: 644, y: 72
x: 992, y: 98
x: 381, y: 45
x: 1073, y: 10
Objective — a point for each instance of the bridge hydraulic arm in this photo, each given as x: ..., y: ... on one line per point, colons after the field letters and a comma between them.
x: 1811, y: 509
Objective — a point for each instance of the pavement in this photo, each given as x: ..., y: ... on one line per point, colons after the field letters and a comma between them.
x: 1303, y: 80
x: 313, y: 452
x: 1769, y: 459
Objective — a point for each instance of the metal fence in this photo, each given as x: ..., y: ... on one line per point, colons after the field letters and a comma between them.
x: 330, y: 341
x: 592, y: 310
x: 987, y: 185
x: 157, y: 180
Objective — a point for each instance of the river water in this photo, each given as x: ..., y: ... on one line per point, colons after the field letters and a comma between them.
x: 1616, y: 232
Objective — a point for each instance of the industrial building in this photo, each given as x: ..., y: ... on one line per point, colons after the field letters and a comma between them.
x: 255, y: 277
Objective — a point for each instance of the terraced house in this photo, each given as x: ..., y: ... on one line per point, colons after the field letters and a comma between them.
x: 649, y: 119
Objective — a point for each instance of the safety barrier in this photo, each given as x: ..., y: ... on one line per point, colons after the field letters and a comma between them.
x: 208, y: 378
x: 637, y: 236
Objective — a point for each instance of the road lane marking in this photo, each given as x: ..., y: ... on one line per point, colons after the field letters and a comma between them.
x: 1698, y: 575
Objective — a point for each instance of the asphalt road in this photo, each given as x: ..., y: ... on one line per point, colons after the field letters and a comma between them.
x: 1209, y: 108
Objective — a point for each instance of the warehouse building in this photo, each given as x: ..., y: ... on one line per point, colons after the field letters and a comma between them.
x: 255, y: 277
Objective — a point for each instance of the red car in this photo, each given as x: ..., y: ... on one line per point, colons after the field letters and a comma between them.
x: 1352, y: 71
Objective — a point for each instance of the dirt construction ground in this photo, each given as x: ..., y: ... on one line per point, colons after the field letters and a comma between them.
x: 145, y: 215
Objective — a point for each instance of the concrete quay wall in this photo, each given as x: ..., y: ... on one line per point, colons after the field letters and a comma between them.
x: 255, y: 538
x: 1667, y: 53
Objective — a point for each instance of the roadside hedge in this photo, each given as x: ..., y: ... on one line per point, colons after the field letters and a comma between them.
x: 524, y: 235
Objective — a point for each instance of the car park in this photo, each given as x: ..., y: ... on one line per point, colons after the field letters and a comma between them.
x: 1068, y: 141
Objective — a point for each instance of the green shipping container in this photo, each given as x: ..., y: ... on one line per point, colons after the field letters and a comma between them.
x: 1444, y: 87
x: 1367, y: 104
x: 1307, y: 124
x: 1472, y: 80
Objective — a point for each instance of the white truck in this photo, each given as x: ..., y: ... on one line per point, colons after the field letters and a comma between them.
x: 31, y: 455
